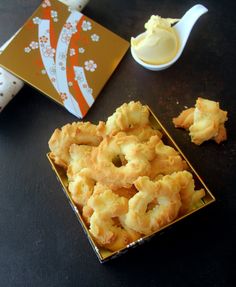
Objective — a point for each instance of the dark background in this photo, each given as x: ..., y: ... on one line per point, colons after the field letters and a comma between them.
x: 41, y: 242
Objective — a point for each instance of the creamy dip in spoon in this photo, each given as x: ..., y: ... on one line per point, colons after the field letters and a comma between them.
x: 159, y: 44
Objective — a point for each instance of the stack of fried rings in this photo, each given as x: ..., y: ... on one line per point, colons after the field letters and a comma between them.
x: 126, y: 182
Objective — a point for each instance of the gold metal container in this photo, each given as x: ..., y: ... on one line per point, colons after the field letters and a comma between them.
x: 103, y: 254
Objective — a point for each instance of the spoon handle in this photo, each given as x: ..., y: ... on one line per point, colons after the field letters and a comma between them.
x: 186, y: 23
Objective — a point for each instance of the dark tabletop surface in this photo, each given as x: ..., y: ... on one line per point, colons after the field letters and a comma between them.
x: 41, y: 242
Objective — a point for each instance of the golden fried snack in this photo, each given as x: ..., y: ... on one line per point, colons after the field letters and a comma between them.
x: 166, y: 161
x: 189, y: 197
x: 125, y: 117
x: 160, y: 202
x: 122, y: 192
x: 81, y: 188
x: 83, y: 133
x: 80, y: 185
x: 208, y: 121
x: 138, y: 156
x: 79, y: 159
x: 165, y: 192
x: 105, y: 226
x: 143, y: 133
x: 197, y: 198
x: 221, y: 135
x: 205, y: 121
x: 87, y: 211
x: 185, y: 119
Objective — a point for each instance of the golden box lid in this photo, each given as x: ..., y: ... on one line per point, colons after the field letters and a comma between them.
x: 65, y: 55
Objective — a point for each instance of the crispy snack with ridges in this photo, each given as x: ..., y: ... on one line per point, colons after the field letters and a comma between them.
x: 157, y: 203
x: 167, y: 160
x: 138, y: 156
x: 79, y: 159
x: 83, y: 133
x: 105, y: 226
x: 204, y: 122
x: 125, y: 117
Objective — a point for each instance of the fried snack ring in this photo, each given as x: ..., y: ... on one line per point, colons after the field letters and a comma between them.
x: 165, y: 192
x: 138, y: 156
x: 205, y: 121
x: 166, y: 161
x: 125, y: 117
x: 79, y: 133
x: 104, y: 222
x: 87, y: 211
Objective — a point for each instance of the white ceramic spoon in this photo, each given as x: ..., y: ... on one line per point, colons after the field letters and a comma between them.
x: 183, y: 29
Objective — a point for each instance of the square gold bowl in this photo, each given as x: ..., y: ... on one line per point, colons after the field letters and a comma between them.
x: 103, y: 254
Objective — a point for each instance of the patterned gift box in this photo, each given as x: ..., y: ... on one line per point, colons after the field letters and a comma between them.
x: 64, y: 54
